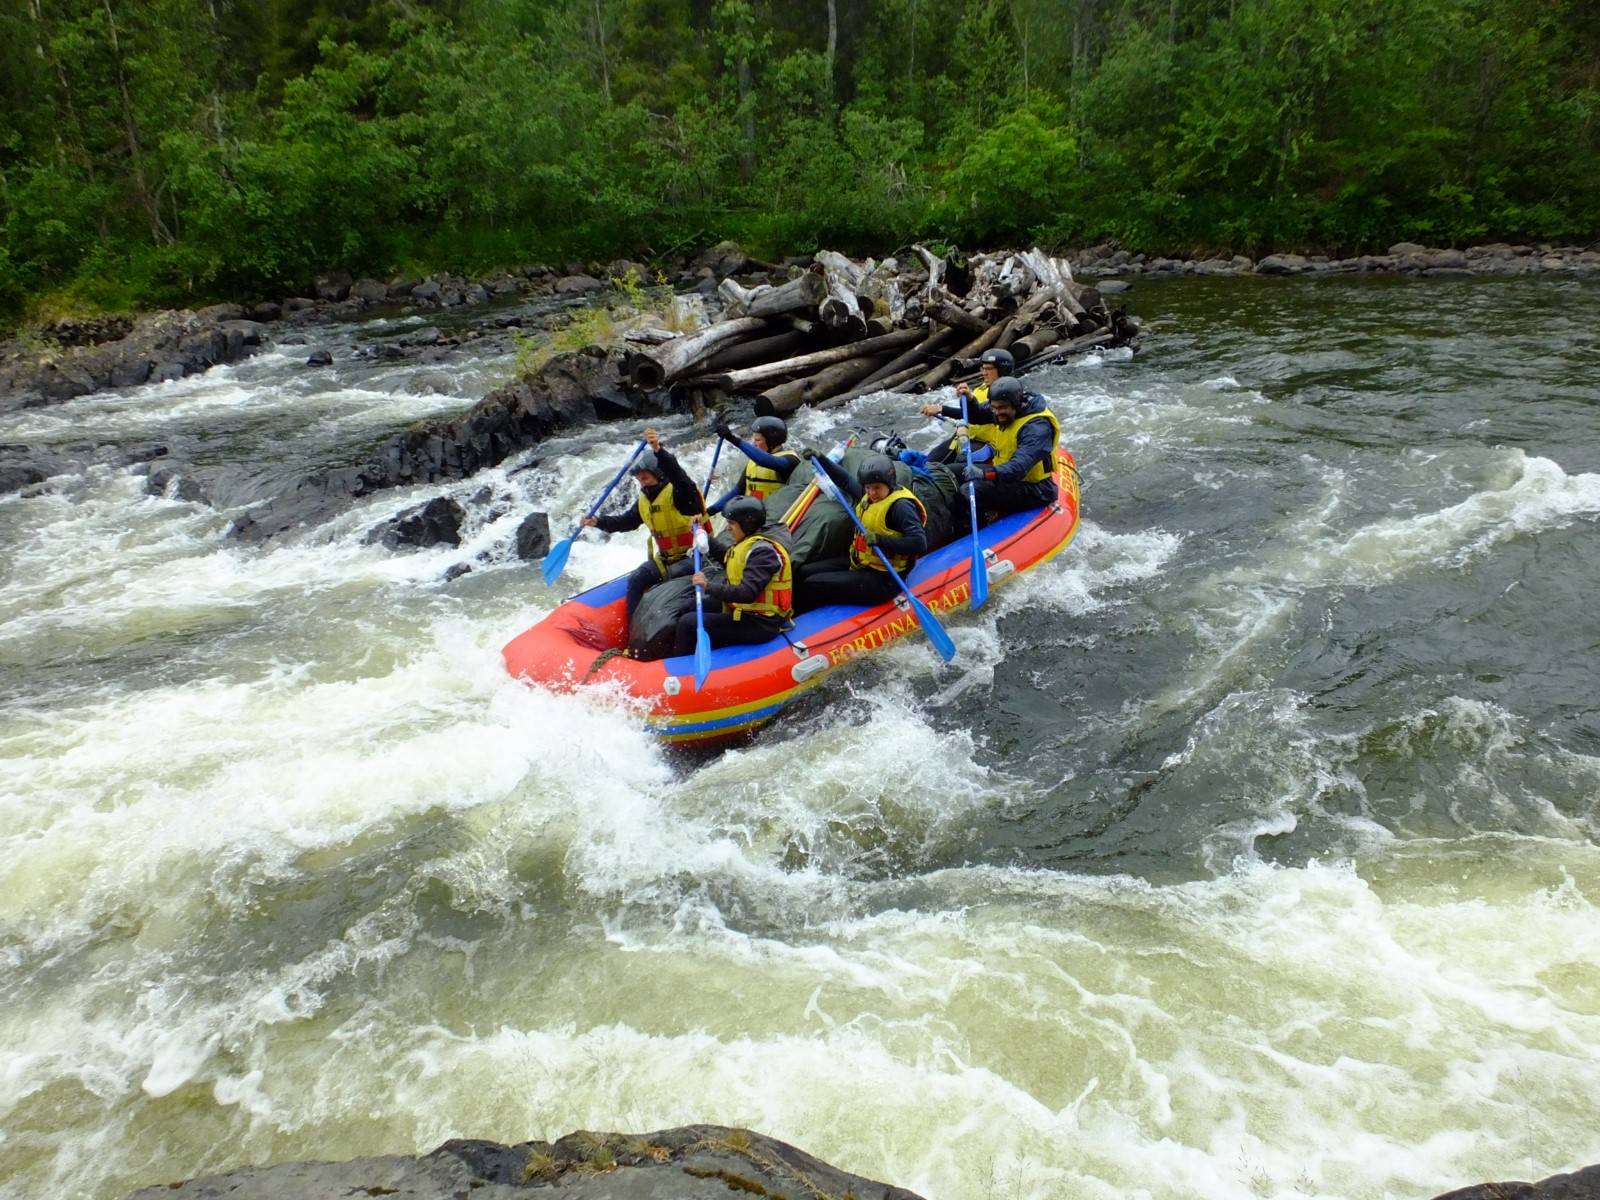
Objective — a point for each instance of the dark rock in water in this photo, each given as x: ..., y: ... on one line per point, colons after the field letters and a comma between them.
x: 320, y: 358
x: 1112, y: 287
x: 695, y: 1162
x: 533, y: 536
x: 296, y: 304
x: 427, y: 292
x: 170, y: 480
x: 429, y: 383
x: 18, y: 471
x: 456, y: 571
x: 1579, y: 1185
x: 430, y: 524
x: 267, y: 310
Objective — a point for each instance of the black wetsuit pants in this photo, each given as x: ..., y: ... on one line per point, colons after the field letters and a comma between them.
x: 835, y: 581
x: 723, y: 630
x: 646, y: 575
x: 997, y: 499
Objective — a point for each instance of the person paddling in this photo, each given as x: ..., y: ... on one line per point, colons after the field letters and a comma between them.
x: 670, y: 507
x: 1024, y: 434
x: 769, y: 463
x: 993, y: 365
x: 758, y: 596
x: 895, y: 522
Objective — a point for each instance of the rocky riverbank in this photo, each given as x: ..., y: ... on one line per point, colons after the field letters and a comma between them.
x: 694, y: 1162
x: 1403, y: 258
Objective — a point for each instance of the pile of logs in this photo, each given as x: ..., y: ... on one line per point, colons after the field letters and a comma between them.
x: 839, y: 329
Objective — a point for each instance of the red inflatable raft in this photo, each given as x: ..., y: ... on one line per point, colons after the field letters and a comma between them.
x: 749, y: 685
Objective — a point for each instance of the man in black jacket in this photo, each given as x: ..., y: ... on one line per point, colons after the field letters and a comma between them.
x: 895, y: 523
x: 671, y: 507
x: 758, y: 597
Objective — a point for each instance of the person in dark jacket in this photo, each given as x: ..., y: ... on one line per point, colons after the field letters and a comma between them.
x: 895, y: 522
x: 768, y: 462
x: 670, y: 507
x: 1024, y: 434
x: 993, y: 365
x: 758, y: 598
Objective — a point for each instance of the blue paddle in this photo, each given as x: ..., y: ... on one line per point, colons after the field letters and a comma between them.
x: 980, y: 565
x: 556, y: 561
x: 702, y: 640
x: 930, y: 625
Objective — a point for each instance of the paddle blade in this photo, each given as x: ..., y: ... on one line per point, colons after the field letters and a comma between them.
x: 556, y: 561
x: 935, y: 631
x: 702, y: 657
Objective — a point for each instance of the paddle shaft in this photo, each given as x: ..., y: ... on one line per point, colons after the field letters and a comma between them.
x: 610, y: 487
x: 980, y: 566
x: 930, y: 624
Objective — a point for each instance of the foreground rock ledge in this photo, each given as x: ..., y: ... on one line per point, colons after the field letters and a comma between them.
x: 695, y: 1162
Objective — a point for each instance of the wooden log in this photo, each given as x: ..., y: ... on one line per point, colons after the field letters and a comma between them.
x: 956, y: 317
x: 1033, y: 344
x: 886, y: 383
x: 843, y: 280
x: 803, y: 325
x: 929, y: 346
x: 814, y: 389
x: 936, y: 269
x: 670, y: 360
x: 1101, y: 337
x: 972, y: 349
x: 759, y: 350
x: 801, y: 293
x: 742, y: 379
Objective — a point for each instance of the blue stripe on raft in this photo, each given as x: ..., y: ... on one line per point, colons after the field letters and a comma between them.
x: 737, y: 721
x: 817, y: 624
x: 602, y: 595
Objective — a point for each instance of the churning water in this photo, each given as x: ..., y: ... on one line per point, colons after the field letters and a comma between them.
x: 1250, y: 849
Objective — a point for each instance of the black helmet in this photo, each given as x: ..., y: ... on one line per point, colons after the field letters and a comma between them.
x: 771, y: 428
x: 875, y: 468
x: 1008, y: 390
x: 646, y: 461
x: 748, y: 513
x: 1000, y: 359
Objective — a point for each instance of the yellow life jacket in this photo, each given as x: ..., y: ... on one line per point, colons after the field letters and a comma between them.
x: 1004, y: 442
x: 876, y: 518
x: 777, y: 598
x: 671, y: 532
x: 760, y: 482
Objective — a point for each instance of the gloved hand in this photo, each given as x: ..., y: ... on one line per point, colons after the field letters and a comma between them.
x: 809, y: 453
x: 974, y: 474
x: 723, y: 429
x: 869, y: 538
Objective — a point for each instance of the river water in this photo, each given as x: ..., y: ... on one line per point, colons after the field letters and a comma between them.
x: 1250, y: 849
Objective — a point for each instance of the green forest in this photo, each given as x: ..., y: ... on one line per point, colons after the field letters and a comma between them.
x: 162, y: 150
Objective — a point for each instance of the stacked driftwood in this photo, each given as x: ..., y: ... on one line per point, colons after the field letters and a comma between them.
x: 837, y: 329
